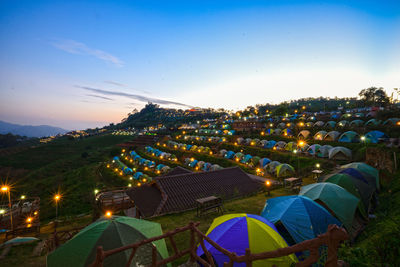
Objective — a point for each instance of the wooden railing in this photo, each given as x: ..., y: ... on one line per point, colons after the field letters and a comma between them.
x: 59, y: 238
x: 332, y: 239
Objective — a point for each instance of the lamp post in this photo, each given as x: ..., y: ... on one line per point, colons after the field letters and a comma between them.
x: 6, y: 189
x: 362, y: 138
x: 268, y: 184
x: 57, y: 198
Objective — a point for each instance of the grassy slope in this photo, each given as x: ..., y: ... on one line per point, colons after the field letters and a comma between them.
x: 68, y: 165
x: 379, y: 244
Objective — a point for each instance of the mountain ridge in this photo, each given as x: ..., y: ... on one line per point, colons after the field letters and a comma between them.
x: 30, y: 130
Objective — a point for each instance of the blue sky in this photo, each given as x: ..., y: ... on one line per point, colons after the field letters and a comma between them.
x: 79, y: 65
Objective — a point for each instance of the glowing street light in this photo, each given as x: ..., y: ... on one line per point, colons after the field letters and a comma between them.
x: 96, y: 191
x: 22, y: 197
x: 6, y: 190
x: 268, y: 184
x: 317, y: 165
x: 108, y: 214
x: 57, y: 197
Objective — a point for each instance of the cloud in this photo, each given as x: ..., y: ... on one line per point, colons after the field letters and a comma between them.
x: 133, y: 96
x: 102, y: 97
x: 74, y: 47
x: 116, y: 83
x: 126, y: 86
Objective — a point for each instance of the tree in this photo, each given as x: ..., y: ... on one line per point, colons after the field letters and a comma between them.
x: 374, y: 96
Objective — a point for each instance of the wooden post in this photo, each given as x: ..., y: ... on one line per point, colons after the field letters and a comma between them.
x: 192, y: 242
x: 249, y: 262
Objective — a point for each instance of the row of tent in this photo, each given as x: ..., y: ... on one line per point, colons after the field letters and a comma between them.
x: 333, y: 124
x: 161, y: 154
x: 160, y: 168
x: 213, y: 139
x: 187, y: 147
x: 289, y: 220
x: 201, y: 165
x: 346, y: 137
x: 129, y: 171
x: 316, y: 150
x: 123, y: 132
x: 273, y: 167
x: 217, y: 132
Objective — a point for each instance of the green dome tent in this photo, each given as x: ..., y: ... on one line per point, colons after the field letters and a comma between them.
x: 349, y: 137
x: 255, y: 160
x: 284, y: 170
x: 330, y: 124
x: 110, y: 233
x: 291, y: 146
x: 364, y: 167
x: 309, y: 124
x: 354, y: 186
x: 336, y: 199
x: 372, y: 122
x: 340, y: 153
x: 391, y: 121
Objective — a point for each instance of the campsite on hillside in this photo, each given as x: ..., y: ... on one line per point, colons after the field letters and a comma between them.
x: 199, y: 133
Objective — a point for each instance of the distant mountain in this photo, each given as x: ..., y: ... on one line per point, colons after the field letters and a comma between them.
x: 29, y: 131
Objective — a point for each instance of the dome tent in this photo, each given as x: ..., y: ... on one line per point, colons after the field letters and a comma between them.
x: 313, y: 149
x: 110, y: 233
x: 264, y: 161
x: 340, y: 153
x: 304, y: 134
x: 298, y: 218
x: 361, y: 166
x: 271, y: 167
x: 236, y: 232
x: 323, y: 151
x: 332, y: 136
x: 284, y: 170
x: 349, y: 137
x: 374, y: 136
x: 372, y: 123
x: 354, y: 186
x: 336, y: 199
x: 330, y: 124
x: 356, y: 123
x: 319, y: 135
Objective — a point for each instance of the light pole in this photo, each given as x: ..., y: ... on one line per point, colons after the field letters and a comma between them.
x: 6, y: 189
x: 57, y: 198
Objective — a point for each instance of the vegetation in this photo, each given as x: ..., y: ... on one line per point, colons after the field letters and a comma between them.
x: 379, y: 244
x: 72, y: 167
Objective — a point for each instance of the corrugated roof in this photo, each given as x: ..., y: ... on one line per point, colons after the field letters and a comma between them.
x: 178, y: 193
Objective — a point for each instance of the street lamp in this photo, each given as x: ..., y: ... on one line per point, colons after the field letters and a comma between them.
x: 6, y: 190
x: 268, y: 184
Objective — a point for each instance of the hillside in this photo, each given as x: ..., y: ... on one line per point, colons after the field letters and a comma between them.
x: 68, y: 165
x: 29, y: 130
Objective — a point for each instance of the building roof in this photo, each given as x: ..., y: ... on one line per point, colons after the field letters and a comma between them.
x: 177, y: 170
x: 177, y: 193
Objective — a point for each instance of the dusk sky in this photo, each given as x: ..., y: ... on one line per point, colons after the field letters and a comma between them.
x: 77, y: 65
